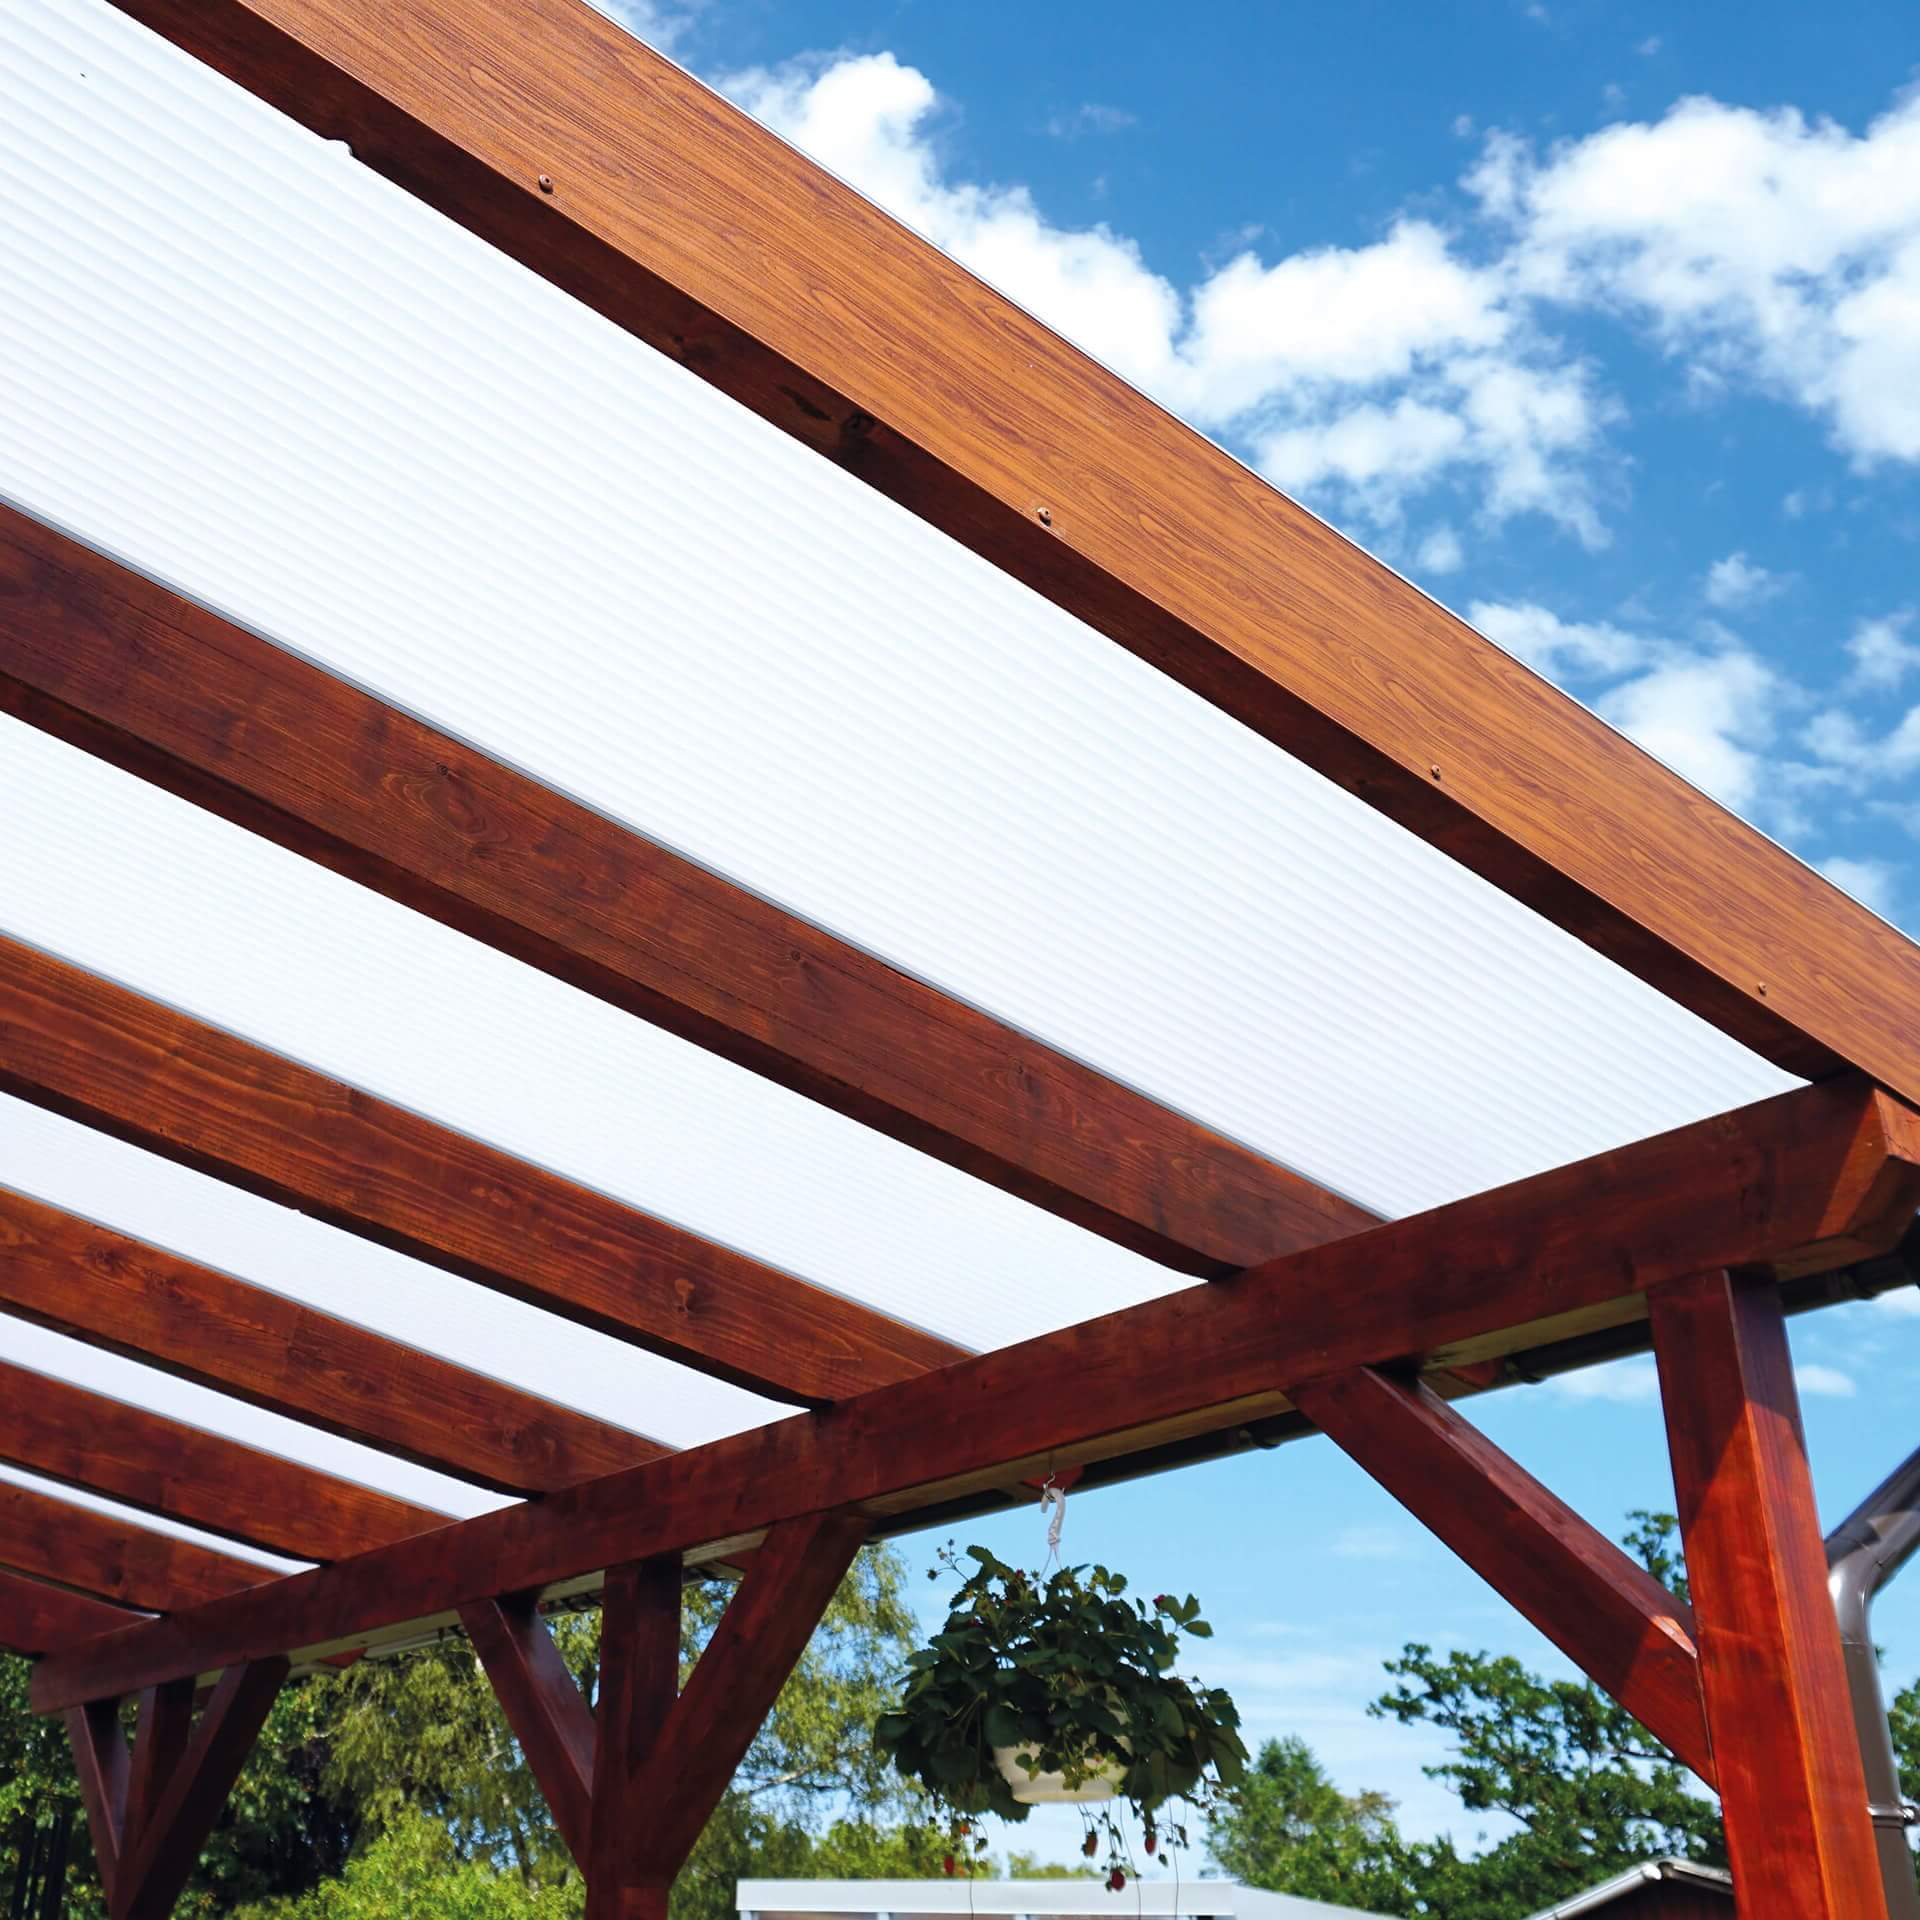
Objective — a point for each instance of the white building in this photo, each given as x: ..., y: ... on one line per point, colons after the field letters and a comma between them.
x: 1194, y: 1899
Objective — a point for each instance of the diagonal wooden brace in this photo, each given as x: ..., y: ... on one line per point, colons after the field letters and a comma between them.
x: 1605, y: 1612
x: 632, y: 1785
x: 544, y: 1706
x: 150, y: 1812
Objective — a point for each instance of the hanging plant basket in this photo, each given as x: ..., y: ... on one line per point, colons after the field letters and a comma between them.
x: 1051, y: 1789
x: 1061, y: 1688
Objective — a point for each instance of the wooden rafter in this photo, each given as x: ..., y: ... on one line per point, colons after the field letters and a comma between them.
x: 120, y: 1294
x: 1605, y: 1612
x: 97, y: 1052
x: 1798, y: 1183
x: 164, y: 1466
x: 102, y: 1555
x: 1792, y: 1786
x: 546, y: 130
x: 109, y: 660
x: 35, y: 1616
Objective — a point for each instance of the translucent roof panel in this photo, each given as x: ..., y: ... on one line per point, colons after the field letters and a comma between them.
x: 205, y: 1220
x: 243, y: 363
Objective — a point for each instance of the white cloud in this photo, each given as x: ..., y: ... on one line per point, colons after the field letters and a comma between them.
x: 1872, y: 882
x: 1627, y: 1382
x: 1882, y: 657
x: 1558, y: 648
x: 1902, y: 1302
x: 1090, y: 118
x: 1373, y: 1543
x: 1707, y: 716
x: 1440, y: 552
x: 659, y: 25
x: 1758, y: 246
x: 1737, y: 582
x: 1363, y: 376
x: 1827, y: 1383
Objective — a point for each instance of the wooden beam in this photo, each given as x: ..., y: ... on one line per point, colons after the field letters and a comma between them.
x: 543, y: 1704
x: 162, y: 1728
x: 35, y: 1616
x: 549, y: 132
x: 103, y: 1769
x: 127, y: 1297
x: 166, y: 1844
x: 639, y: 1684
x: 97, y: 1554
x: 1602, y: 1609
x: 82, y: 1046
x: 1792, y: 1787
x: 1804, y: 1182
x: 164, y: 1466
x: 109, y: 660
x: 734, y: 1684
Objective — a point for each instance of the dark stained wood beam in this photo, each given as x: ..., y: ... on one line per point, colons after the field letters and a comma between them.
x: 146, y: 1460
x: 545, y: 129
x: 116, y: 664
x: 1602, y: 1610
x: 98, y: 1554
x: 35, y: 1616
x: 162, y: 1729
x: 544, y: 1705
x: 103, y: 1769
x: 1802, y: 1183
x: 166, y: 1843
x: 129, y: 1298
x: 760, y: 1636
x: 80, y: 1045
x: 1792, y: 1787
x: 639, y: 1684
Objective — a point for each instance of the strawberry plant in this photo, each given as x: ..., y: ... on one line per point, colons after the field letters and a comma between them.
x: 1062, y: 1676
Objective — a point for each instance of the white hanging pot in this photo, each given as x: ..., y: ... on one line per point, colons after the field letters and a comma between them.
x: 1051, y: 1789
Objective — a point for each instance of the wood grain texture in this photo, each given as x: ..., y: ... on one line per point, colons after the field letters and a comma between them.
x: 1602, y: 1609
x: 673, y: 214
x: 166, y: 1845
x: 119, y: 665
x: 639, y: 1683
x: 96, y: 1052
x: 760, y: 1636
x: 120, y: 1294
x: 1792, y: 1787
x: 102, y: 1766
x: 35, y: 1616
x: 146, y: 1460
x: 544, y: 1706
x: 97, y: 1554
x: 162, y: 1727
x: 1813, y: 1176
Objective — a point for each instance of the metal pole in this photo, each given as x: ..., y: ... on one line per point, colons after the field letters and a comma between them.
x: 1864, y: 1552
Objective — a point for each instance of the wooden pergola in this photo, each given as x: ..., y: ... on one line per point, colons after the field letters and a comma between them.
x: 543, y: 129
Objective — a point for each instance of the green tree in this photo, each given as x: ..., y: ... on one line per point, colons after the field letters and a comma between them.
x: 1290, y: 1828
x: 359, y: 1764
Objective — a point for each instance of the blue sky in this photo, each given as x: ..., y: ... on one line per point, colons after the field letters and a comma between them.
x: 1603, y: 324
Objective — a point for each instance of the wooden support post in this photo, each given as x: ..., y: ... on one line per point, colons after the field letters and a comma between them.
x: 632, y: 1785
x: 639, y: 1687
x: 1791, y: 1783
x: 543, y: 1704
x: 1605, y: 1612
x: 150, y: 1813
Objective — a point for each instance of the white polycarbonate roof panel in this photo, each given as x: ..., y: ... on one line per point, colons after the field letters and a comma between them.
x: 61, y: 1358
x: 241, y: 362
x: 188, y: 1213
